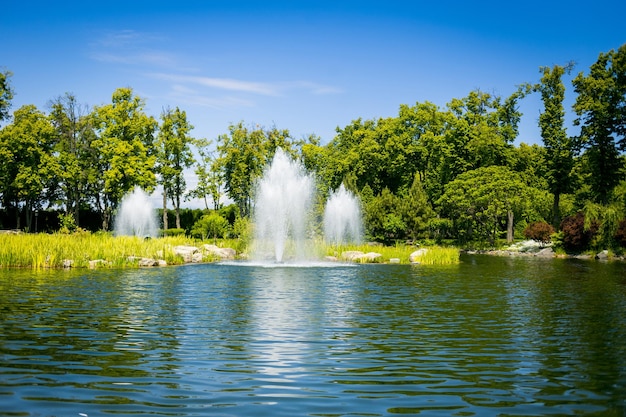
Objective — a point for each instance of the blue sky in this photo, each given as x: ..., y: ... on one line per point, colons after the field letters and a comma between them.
x: 306, y: 66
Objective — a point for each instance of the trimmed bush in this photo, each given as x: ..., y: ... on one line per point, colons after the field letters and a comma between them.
x: 575, y: 237
x: 539, y: 231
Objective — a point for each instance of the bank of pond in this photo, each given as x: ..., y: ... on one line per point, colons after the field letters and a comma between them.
x: 104, y: 250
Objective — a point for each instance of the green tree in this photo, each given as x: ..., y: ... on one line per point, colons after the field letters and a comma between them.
x: 208, y: 174
x: 243, y: 154
x: 71, y: 121
x: 174, y: 155
x: 601, y: 109
x: 415, y: 210
x: 123, y: 150
x: 6, y: 95
x: 383, y: 217
x: 481, y: 200
x: 560, y: 148
x: 27, y: 165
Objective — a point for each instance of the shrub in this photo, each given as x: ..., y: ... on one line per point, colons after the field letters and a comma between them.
x: 174, y: 232
x: 539, y: 231
x: 620, y: 233
x: 210, y: 226
x: 575, y: 237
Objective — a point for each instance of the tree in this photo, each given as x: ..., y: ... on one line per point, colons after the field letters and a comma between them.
x: 243, y: 154
x: 6, y: 95
x: 123, y: 150
x: 208, y: 174
x: 480, y: 200
x: 416, y: 210
x: 559, y: 147
x: 601, y: 109
x: 74, y: 131
x: 173, y: 156
x: 210, y: 226
x: 27, y: 166
x: 383, y: 220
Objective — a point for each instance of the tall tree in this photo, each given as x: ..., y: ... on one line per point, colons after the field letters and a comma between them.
x: 173, y: 157
x: 208, y: 174
x: 560, y: 148
x: 601, y: 109
x: 70, y: 118
x: 6, y: 95
x: 124, y: 148
x: 243, y: 154
x: 27, y: 166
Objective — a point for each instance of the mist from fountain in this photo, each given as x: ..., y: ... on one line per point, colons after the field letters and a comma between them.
x: 284, y: 197
x: 136, y: 216
x: 342, y: 218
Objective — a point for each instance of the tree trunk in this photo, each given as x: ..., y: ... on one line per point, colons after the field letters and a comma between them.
x: 164, y: 211
x: 509, y: 227
x: 178, y: 212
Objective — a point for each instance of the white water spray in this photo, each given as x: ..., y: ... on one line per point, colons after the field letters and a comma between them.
x: 282, y: 209
x: 342, y: 218
x: 136, y: 215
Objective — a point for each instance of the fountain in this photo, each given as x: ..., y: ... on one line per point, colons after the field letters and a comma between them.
x: 282, y: 210
x: 342, y: 218
x: 136, y: 215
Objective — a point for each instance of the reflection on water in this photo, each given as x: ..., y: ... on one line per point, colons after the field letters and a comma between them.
x: 489, y: 337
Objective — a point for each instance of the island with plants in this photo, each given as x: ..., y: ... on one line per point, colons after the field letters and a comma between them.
x: 432, y: 177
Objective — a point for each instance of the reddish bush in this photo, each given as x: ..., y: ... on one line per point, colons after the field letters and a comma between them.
x: 575, y: 237
x: 539, y: 231
x: 620, y: 233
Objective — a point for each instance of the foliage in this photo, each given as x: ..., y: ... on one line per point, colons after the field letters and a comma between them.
x: 575, y: 236
x: 6, y: 94
x: 122, y: 151
x: 620, y: 233
x: 601, y: 109
x: 539, y: 231
x: 560, y: 149
x: 173, y: 156
x: 478, y: 201
x: 211, y: 225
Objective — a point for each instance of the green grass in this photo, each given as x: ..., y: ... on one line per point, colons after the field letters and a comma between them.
x: 39, y: 251
x: 434, y: 255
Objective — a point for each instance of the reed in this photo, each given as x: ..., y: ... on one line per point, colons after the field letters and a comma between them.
x: 434, y: 255
x: 39, y: 251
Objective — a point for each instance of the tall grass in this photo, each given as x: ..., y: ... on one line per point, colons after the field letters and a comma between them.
x: 433, y: 255
x: 51, y: 251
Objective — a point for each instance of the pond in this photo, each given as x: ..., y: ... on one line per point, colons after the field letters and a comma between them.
x: 488, y: 337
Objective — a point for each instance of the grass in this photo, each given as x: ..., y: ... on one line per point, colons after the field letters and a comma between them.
x: 38, y: 251
x: 433, y: 255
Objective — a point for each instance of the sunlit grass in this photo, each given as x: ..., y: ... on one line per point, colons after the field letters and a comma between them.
x: 39, y: 251
x: 102, y: 250
x: 400, y: 253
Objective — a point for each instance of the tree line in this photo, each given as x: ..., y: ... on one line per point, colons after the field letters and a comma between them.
x: 431, y: 172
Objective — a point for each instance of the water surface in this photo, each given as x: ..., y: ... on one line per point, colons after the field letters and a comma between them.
x: 489, y: 337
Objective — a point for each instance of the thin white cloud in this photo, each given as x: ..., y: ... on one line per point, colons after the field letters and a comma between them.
x: 191, y: 96
x: 229, y: 84
x: 261, y: 88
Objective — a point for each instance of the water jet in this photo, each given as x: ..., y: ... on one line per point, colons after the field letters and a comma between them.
x: 136, y: 215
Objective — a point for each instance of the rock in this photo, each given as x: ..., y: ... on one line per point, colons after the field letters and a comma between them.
x: 222, y: 253
x: 196, y: 257
x: 68, y: 263
x: 394, y: 260
x: 414, y: 257
x: 603, y: 256
x: 162, y: 262
x: 143, y: 262
x: 370, y: 257
x: 331, y: 258
x: 545, y: 253
x: 93, y: 264
x: 187, y: 253
x: 351, y: 255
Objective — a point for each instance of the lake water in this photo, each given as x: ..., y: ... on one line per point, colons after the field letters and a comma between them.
x: 489, y: 337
